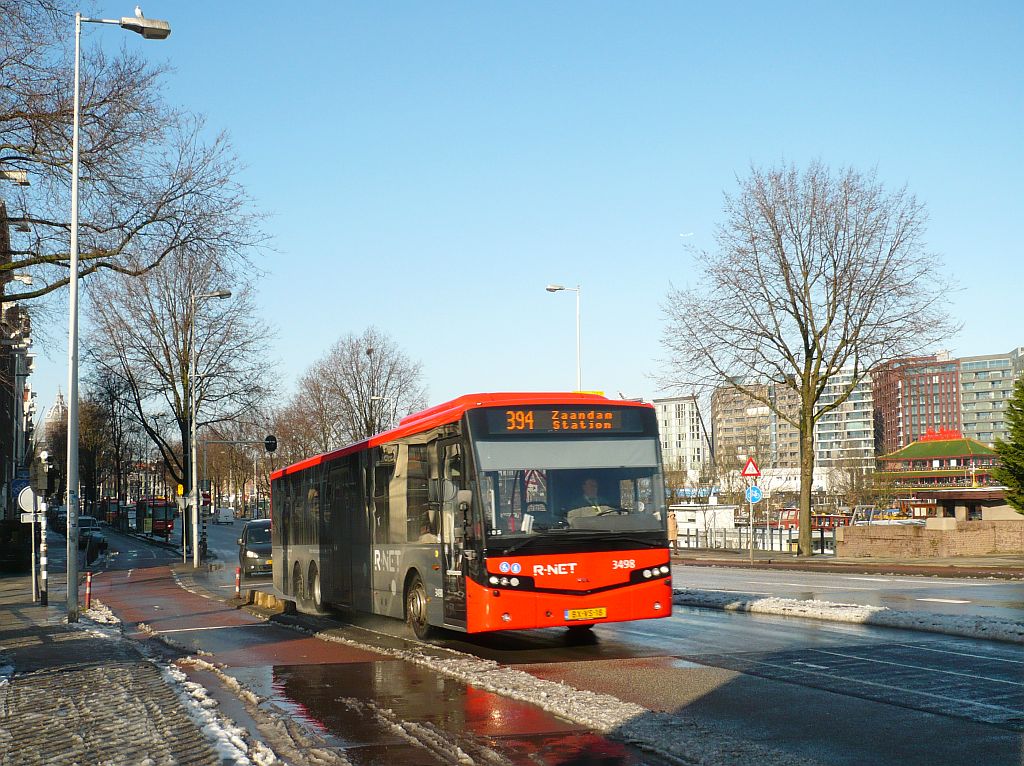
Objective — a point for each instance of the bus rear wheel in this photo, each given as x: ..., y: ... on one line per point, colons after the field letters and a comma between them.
x: 316, y: 600
x: 416, y: 609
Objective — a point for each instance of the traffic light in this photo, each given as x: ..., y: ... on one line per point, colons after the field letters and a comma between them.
x: 270, y: 443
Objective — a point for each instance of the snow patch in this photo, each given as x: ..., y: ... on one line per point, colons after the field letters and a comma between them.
x: 968, y: 626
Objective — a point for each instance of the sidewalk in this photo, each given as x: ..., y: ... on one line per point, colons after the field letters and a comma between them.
x: 1007, y: 567
x: 71, y: 695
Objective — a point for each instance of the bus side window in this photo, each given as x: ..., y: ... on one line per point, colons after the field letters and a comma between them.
x: 382, y: 473
x: 420, y: 524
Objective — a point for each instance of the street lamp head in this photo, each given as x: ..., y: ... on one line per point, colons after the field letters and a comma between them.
x: 214, y: 294
x: 554, y: 288
x: 151, y: 29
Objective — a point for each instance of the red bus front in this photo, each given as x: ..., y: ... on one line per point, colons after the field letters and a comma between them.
x: 571, y: 506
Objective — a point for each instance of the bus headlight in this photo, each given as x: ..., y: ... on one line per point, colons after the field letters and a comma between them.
x: 647, y: 574
x: 252, y: 555
x: 665, y: 570
x: 492, y: 580
x: 514, y: 582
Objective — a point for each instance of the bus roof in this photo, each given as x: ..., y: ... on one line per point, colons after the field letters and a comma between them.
x: 450, y: 412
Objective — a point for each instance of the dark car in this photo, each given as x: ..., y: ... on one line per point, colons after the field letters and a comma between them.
x: 254, y: 548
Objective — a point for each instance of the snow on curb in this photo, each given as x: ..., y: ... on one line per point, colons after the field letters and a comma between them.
x: 992, y: 629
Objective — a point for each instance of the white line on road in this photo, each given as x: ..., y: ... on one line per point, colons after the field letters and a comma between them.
x: 811, y: 665
x: 944, y: 600
x: 212, y: 627
x: 943, y: 671
x: 808, y: 585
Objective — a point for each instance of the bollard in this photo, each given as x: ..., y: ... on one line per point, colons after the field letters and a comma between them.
x: 238, y: 582
x: 88, y: 590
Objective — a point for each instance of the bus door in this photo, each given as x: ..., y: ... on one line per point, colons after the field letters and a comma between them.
x: 451, y: 464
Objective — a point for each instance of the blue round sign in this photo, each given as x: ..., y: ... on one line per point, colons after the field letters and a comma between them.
x: 754, y: 494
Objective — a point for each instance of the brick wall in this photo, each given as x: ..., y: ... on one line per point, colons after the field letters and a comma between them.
x: 970, y: 538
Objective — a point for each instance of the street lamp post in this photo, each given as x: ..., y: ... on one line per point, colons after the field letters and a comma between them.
x: 151, y: 29
x: 194, y: 411
x: 558, y: 289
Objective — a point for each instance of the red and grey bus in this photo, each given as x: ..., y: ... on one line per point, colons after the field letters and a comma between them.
x: 469, y: 516
x: 159, y: 512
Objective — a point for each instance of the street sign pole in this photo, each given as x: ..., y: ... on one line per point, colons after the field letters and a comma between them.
x: 43, y: 590
x: 750, y: 519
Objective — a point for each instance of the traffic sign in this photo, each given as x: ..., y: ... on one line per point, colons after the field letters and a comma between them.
x: 754, y: 494
x: 270, y: 443
x: 27, y: 500
x: 750, y: 470
x: 31, y: 518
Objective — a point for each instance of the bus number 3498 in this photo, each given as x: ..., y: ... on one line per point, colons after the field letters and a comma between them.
x: 624, y: 564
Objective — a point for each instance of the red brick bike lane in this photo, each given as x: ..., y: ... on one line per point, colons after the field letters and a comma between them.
x: 341, y: 690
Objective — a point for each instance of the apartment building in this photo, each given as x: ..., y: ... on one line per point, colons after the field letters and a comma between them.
x: 845, y: 437
x: 743, y: 427
x: 986, y: 385
x: 914, y: 395
x: 685, y: 445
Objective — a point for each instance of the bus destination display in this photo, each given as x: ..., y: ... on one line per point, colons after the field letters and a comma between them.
x: 551, y: 420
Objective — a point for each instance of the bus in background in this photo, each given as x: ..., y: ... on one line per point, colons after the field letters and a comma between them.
x: 155, y: 515
x: 472, y: 515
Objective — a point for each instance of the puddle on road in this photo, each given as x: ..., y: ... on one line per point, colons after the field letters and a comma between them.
x: 393, y: 713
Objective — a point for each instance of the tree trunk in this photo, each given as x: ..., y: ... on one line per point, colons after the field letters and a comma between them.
x: 806, y: 480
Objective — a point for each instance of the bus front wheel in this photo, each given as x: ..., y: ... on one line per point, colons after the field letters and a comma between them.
x: 416, y: 608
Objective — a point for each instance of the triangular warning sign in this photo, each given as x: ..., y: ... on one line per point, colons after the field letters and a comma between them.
x: 750, y: 470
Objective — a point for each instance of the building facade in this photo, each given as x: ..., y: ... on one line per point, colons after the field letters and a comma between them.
x: 743, y: 427
x: 986, y: 385
x: 685, y: 445
x: 915, y: 395
x: 845, y: 436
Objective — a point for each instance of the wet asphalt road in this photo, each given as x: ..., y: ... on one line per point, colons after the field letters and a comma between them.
x: 368, y: 706
x: 923, y: 698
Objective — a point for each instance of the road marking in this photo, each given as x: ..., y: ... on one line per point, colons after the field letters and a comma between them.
x: 944, y: 600
x: 869, y: 579
x: 917, y: 667
x: 812, y: 586
x: 750, y: 592
x: 911, y: 690
x: 811, y: 665
x: 212, y: 627
x: 960, y: 654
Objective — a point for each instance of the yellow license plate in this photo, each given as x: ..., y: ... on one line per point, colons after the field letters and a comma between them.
x: 595, y: 613
x: 269, y: 562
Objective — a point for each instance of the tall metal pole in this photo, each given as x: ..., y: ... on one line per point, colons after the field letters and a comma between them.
x: 579, y: 374
x: 192, y: 438
x: 72, y: 474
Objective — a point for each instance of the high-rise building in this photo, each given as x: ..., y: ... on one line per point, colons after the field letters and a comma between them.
x: 745, y: 427
x: 684, y: 439
x: 845, y: 436
x: 986, y: 385
x: 913, y: 396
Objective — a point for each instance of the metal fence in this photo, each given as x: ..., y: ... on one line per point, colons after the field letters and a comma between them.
x: 765, y: 539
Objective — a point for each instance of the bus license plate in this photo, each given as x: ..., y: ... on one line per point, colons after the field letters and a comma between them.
x: 595, y: 613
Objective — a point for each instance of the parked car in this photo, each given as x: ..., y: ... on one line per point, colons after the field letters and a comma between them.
x: 89, y: 527
x: 254, y: 548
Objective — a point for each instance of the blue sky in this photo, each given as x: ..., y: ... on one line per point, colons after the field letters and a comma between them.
x: 429, y: 168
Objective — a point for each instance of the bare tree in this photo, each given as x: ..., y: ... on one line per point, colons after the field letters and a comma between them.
x: 143, y: 337
x: 815, y: 272
x: 362, y: 386
x: 149, y: 184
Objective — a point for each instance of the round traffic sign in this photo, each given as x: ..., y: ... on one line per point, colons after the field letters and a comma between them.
x: 27, y: 500
x: 754, y: 494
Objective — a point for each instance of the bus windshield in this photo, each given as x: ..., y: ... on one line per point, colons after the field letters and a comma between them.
x: 530, y: 489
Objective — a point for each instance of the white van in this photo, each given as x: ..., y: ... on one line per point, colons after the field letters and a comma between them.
x: 223, y: 516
